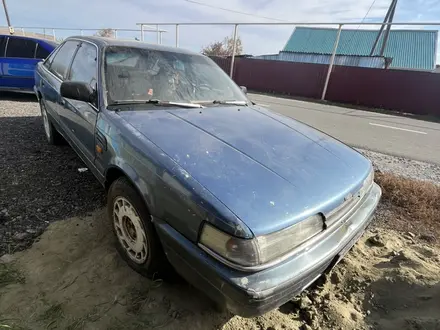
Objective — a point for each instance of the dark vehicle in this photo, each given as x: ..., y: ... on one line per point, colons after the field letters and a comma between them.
x: 18, y: 59
x: 247, y: 205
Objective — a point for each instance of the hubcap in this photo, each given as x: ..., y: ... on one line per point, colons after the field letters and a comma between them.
x: 129, y: 230
x: 45, y: 121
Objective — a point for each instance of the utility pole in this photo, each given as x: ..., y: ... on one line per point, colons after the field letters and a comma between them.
x: 388, y: 19
x: 11, y: 30
x: 387, y: 32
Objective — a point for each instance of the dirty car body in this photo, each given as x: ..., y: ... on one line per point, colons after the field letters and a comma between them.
x: 249, y: 206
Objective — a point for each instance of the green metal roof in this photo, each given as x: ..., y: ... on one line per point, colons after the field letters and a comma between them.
x: 409, y: 49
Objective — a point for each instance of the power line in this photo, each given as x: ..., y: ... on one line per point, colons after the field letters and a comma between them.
x: 357, y: 29
x: 235, y: 11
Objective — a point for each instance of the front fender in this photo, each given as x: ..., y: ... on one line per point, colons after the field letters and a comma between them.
x: 144, y: 189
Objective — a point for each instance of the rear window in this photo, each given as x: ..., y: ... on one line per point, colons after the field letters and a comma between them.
x: 2, y: 46
x: 41, y: 52
x: 18, y: 47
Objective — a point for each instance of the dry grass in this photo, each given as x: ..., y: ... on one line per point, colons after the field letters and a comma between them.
x: 415, y: 204
x: 9, y: 275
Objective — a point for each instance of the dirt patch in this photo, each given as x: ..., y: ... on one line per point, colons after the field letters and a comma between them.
x: 72, y: 278
x: 413, y: 204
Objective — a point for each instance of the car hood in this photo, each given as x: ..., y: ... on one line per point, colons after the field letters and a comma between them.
x: 269, y: 170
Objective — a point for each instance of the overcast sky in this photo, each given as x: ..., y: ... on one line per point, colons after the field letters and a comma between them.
x: 256, y: 40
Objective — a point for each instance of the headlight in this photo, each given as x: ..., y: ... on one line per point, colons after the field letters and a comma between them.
x: 262, y: 249
x: 366, y: 185
x: 369, y: 180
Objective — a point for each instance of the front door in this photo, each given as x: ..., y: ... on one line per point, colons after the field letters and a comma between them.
x: 77, y: 116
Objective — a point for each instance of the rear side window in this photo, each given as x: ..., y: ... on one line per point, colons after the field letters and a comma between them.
x: 84, y: 67
x: 2, y: 46
x: 63, y: 57
x: 48, y: 62
x: 23, y: 48
x: 41, y: 52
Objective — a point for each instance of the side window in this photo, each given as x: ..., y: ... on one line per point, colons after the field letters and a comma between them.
x: 18, y: 47
x: 61, y: 61
x: 2, y: 46
x: 41, y: 52
x: 48, y: 62
x: 84, y: 67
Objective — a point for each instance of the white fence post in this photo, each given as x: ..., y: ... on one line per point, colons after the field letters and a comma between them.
x: 234, y: 49
x: 332, y: 62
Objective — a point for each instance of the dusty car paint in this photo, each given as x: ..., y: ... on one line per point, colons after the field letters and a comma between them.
x: 257, y: 166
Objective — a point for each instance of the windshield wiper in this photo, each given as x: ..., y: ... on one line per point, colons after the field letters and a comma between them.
x: 230, y: 102
x: 157, y: 102
x: 177, y: 104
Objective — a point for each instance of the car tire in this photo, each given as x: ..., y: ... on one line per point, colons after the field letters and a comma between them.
x: 136, y: 239
x: 52, y: 135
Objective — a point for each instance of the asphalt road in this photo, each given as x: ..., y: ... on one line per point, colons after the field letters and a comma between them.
x: 394, y: 135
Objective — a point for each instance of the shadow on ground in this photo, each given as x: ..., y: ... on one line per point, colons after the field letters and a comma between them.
x: 21, y: 97
x: 39, y: 183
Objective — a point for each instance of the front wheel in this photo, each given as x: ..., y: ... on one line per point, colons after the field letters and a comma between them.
x: 137, y: 241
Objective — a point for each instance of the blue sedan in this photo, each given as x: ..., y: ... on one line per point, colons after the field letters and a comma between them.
x: 247, y: 205
x: 18, y: 59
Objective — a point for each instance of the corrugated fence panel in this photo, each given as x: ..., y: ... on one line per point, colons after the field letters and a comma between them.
x: 223, y: 62
x: 299, y: 79
x: 363, y: 61
x: 414, y: 92
x: 406, y: 91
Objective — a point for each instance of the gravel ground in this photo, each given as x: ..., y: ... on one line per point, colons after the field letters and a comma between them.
x: 402, y: 166
x: 41, y: 183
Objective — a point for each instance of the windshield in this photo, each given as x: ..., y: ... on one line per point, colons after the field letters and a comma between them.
x: 136, y: 74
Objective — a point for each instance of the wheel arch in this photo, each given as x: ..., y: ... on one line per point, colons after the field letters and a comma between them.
x: 115, y: 172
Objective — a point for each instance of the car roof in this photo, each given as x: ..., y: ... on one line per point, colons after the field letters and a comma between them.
x: 102, y: 42
x: 50, y: 42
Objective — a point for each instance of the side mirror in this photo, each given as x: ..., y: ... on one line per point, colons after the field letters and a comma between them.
x: 77, y: 90
x: 243, y: 89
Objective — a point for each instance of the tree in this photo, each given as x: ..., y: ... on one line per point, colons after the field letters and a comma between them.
x: 106, y: 33
x: 223, y: 48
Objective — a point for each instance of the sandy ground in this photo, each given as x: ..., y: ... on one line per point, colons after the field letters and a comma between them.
x: 72, y: 278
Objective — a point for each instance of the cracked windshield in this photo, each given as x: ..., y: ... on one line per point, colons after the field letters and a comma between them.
x: 135, y: 74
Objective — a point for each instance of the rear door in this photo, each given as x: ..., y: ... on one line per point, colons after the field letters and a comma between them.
x: 55, y: 70
x: 78, y: 116
x: 2, y: 57
x: 19, y: 63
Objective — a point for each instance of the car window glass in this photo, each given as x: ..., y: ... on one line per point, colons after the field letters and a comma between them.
x: 62, y: 59
x: 84, y: 66
x: 133, y: 73
x: 2, y: 46
x: 49, y: 60
x: 18, y: 47
x: 41, y: 52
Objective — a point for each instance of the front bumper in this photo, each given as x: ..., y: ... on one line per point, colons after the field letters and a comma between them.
x: 251, y: 294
